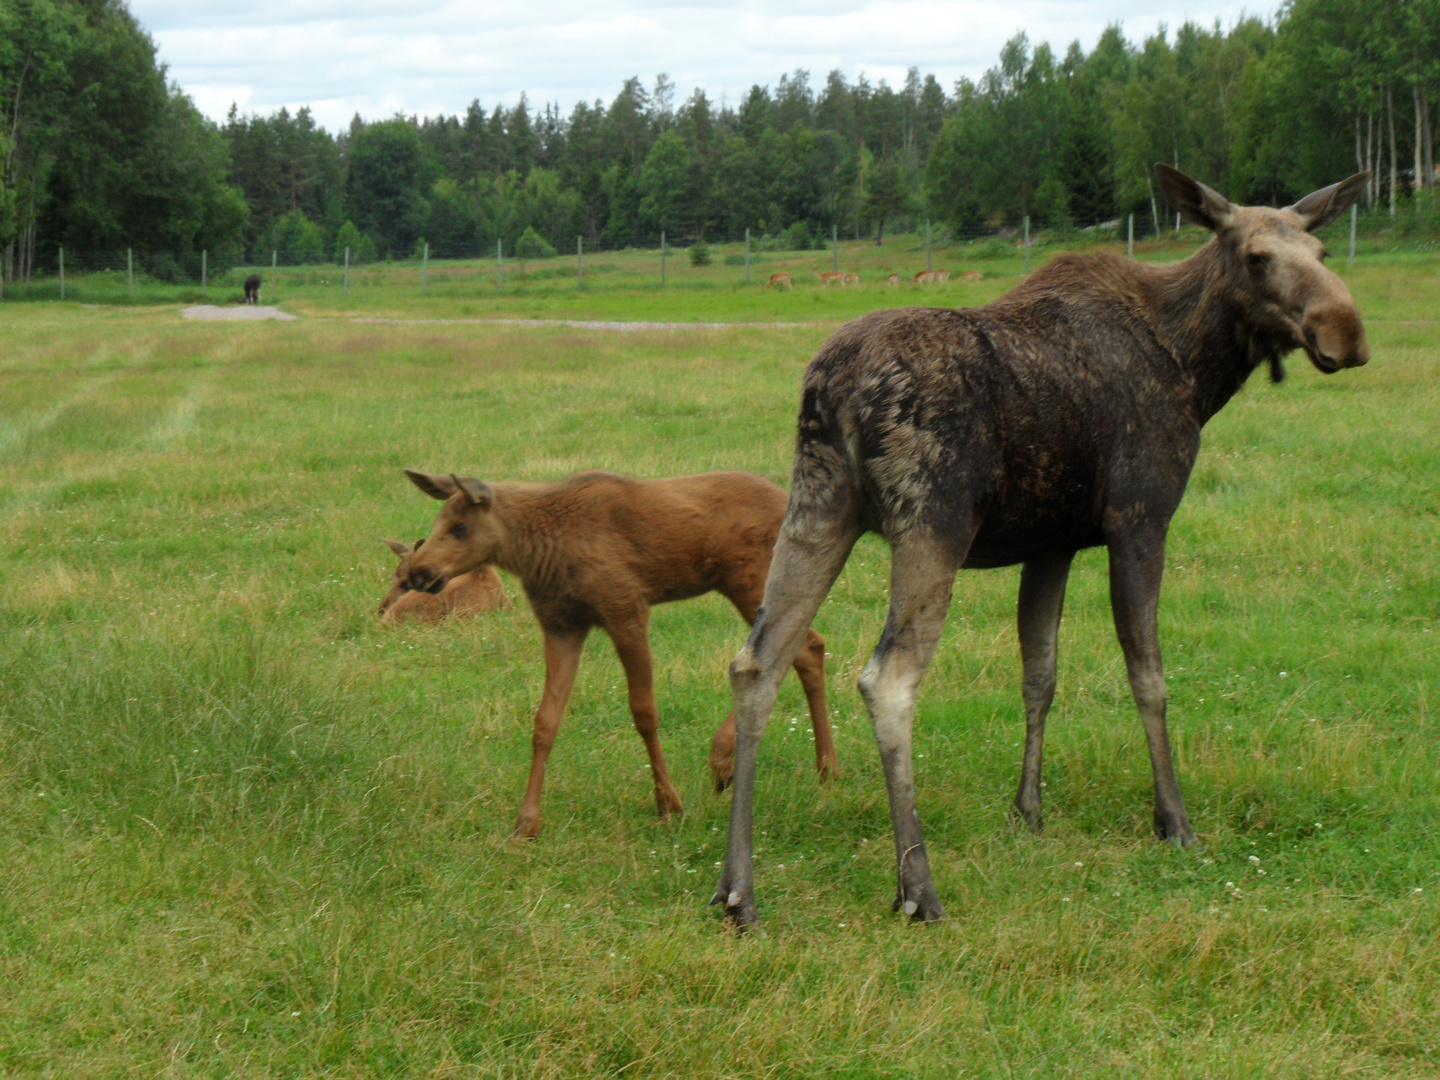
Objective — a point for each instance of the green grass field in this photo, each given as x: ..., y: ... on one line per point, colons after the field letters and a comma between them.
x: 249, y: 831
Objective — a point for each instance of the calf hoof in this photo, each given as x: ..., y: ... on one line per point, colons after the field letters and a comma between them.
x: 828, y: 768
x: 666, y: 805
x: 721, y: 774
x: 527, y: 827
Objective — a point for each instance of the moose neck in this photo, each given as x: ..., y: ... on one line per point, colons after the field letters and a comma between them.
x: 525, y: 546
x: 1198, y: 316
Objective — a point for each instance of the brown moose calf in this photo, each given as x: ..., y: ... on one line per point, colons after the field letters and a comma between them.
x: 598, y: 549
x: 463, y: 596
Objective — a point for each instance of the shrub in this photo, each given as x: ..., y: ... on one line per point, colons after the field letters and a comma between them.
x: 699, y: 254
x: 532, y: 245
x: 799, y: 238
x: 362, y: 248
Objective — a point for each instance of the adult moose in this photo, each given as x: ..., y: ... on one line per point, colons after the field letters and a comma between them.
x: 1064, y: 415
x: 599, y: 549
x: 252, y: 289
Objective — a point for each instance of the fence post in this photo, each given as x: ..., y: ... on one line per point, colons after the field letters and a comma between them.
x: 927, y: 246
x: 273, y: 257
x: 579, y: 262
x: 62, y: 273
x: 130, y: 272
x: 347, y: 271
x: 747, y: 254
x: 835, y: 244
x: 1027, y: 243
x: 1130, y: 238
x: 499, y: 268
x: 204, y: 256
x: 1353, y: 213
x: 424, y: 268
x: 662, y: 258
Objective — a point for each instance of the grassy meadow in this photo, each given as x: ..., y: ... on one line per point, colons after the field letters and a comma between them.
x: 248, y: 831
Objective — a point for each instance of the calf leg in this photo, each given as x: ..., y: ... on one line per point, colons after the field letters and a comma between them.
x: 562, y: 661
x: 1136, y: 565
x: 631, y: 636
x: 812, y: 548
x: 1042, y: 596
x: 922, y: 576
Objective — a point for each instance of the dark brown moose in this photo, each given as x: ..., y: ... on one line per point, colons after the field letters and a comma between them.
x: 463, y: 596
x: 1064, y: 415
x: 252, y: 289
x: 598, y: 549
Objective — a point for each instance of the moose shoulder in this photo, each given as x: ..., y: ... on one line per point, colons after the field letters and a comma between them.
x: 1065, y: 415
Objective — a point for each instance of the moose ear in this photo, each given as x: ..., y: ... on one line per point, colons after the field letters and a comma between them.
x: 397, y: 546
x: 477, y: 491
x: 1320, y: 208
x: 1192, y: 200
x: 433, y: 484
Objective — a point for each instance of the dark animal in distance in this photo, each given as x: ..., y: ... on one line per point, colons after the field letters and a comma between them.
x: 1064, y: 415
x: 252, y: 289
x: 463, y: 595
x: 599, y: 549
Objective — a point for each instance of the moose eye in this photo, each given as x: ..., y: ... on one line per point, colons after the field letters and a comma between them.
x: 1257, y: 260
x: 458, y: 530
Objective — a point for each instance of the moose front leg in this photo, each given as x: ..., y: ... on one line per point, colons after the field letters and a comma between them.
x: 1042, y: 596
x: 1137, y: 563
x: 630, y: 631
x: 562, y: 661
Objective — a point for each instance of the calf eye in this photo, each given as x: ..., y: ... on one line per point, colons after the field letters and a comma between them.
x: 1257, y: 261
x: 458, y: 530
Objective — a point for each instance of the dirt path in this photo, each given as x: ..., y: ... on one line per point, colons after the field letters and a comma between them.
x: 590, y: 324
x: 235, y: 312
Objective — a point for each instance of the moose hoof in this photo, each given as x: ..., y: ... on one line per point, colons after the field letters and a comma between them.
x: 526, y: 828
x: 740, y: 910
x: 721, y: 776
x: 827, y: 769
x: 1033, y: 820
x: 922, y: 905
x: 1175, y: 832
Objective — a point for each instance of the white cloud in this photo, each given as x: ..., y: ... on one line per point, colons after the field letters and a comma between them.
x: 377, y: 58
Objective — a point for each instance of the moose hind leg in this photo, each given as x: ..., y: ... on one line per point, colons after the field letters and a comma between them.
x: 809, y: 554
x: 1136, y: 566
x: 922, y: 577
x: 1042, y: 596
x: 631, y: 637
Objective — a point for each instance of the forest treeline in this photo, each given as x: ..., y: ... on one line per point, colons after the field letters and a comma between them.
x: 98, y: 150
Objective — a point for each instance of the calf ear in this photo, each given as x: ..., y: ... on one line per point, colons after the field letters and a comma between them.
x: 1192, y: 200
x: 1320, y: 208
x: 433, y: 484
x: 477, y: 491
x: 397, y: 546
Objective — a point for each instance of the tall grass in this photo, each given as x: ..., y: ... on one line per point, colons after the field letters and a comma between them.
x: 250, y: 831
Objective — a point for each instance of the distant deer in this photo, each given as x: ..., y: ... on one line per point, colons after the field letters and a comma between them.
x: 599, y: 549
x: 851, y: 278
x: 780, y: 279
x: 893, y: 279
x: 463, y: 596
x: 971, y: 275
x: 829, y: 277
x: 1063, y: 416
x: 933, y: 276
x: 252, y: 289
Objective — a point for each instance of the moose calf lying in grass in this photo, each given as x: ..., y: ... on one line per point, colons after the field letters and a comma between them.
x: 463, y: 596
x: 598, y: 549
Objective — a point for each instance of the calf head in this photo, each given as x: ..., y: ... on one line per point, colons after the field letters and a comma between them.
x: 400, y: 579
x: 1276, y: 270
x: 465, y: 536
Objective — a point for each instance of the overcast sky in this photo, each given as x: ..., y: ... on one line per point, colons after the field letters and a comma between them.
x: 378, y: 57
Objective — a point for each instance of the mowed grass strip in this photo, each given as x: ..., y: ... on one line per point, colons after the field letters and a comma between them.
x: 249, y: 831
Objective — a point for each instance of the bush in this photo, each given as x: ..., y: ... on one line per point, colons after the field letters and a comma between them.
x: 362, y: 248
x: 532, y: 245
x: 799, y: 237
x: 699, y: 254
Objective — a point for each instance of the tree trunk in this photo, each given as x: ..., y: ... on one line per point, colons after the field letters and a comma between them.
x: 1429, y: 139
x: 1394, y: 168
x: 1419, y: 182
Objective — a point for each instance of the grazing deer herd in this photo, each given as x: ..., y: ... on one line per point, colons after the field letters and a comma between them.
x: 1064, y: 415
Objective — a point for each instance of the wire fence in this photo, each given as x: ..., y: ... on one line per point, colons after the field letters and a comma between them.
x: 139, y: 275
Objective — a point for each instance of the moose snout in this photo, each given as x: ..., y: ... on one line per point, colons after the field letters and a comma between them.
x: 1335, y: 338
x: 427, y: 581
